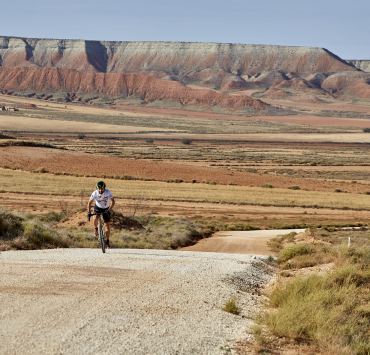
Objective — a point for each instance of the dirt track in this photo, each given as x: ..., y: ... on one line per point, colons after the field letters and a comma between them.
x: 79, y: 301
x: 252, y: 242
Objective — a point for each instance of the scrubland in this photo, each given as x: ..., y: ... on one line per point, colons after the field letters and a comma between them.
x: 180, y: 176
x: 320, y: 300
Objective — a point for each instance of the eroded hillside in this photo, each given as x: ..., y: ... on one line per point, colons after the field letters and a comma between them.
x: 232, y: 76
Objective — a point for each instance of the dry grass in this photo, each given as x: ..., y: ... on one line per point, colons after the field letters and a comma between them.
x: 16, y: 123
x: 231, y: 307
x: 44, y: 183
x: 144, y: 232
x: 329, y: 312
x: 18, y: 232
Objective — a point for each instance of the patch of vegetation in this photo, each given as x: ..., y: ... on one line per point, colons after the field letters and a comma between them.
x: 23, y: 143
x: 329, y: 311
x: 53, y: 217
x: 28, y: 233
x: 37, y: 236
x: 187, y: 141
x: 162, y: 233
x: 294, y: 250
x: 5, y: 136
x: 231, y: 307
x: 11, y: 226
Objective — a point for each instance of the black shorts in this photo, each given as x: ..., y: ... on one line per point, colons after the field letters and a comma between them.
x: 104, y: 212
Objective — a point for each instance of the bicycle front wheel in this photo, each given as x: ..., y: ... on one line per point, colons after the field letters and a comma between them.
x: 102, y: 238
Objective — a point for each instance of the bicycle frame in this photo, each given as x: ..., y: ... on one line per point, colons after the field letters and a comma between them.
x: 101, y: 230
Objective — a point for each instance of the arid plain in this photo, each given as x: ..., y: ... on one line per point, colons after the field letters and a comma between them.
x: 192, y: 139
x: 306, y: 168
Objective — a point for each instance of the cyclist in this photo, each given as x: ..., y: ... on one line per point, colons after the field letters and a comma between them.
x: 104, y: 203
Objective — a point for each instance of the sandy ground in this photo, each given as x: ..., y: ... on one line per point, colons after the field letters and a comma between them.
x: 80, y: 301
x: 30, y: 124
x: 86, y: 109
x: 336, y: 105
x: 318, y: 121
x: 264, y: 137
x: 240, y: 242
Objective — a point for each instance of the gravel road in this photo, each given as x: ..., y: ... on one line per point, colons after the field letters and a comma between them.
x: 80, y: 301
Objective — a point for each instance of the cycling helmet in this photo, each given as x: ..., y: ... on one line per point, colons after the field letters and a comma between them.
x: 100, y: 185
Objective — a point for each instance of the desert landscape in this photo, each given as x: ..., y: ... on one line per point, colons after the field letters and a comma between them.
x: 192, y: 139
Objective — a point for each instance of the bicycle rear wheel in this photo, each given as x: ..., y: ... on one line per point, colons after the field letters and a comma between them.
x: 102, y: 237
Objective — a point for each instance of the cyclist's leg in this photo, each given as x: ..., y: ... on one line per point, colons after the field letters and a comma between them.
x: 107, y: 218
x: 107, y: 230
x: 96, y: 221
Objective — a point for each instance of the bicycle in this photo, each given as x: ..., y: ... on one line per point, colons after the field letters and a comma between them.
x: 101, y: 229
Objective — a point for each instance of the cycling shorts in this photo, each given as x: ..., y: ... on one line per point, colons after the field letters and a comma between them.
x: 104, y: 212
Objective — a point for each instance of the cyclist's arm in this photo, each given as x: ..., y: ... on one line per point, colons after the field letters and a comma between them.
x: 112, y: 203
x: 89, y: 205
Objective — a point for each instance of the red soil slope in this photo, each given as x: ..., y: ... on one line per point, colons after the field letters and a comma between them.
x: 145, y: 86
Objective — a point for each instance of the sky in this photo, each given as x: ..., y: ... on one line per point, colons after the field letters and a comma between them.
x: 340, y: 26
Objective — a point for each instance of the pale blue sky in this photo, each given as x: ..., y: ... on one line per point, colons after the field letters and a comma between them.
x: 340, y: 26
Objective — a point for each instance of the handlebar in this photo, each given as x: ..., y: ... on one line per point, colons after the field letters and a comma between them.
x: 89, y: 215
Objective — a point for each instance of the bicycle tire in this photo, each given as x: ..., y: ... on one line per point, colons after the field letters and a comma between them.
x: 102, y: 238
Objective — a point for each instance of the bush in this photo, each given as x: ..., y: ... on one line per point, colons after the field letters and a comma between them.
x: 186, y: 141
x: 38, y: 236
x: 11, y: 226
x: 294, y: 250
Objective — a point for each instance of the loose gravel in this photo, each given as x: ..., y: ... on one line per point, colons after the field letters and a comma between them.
x: 80, y: 301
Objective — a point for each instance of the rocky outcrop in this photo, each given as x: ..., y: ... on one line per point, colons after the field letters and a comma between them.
x: 209, y: 74
x: 179, y: 59
x: 363, y: 65
x: 348, y: 85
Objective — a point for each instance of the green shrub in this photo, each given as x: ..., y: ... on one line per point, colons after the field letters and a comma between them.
x: 38, y: 236
x: 294, y: 250
x: 11, y: 226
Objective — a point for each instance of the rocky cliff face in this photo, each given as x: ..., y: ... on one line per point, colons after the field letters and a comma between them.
x: 166, y: 57
x: 207, y: 74
x: 363, y: 65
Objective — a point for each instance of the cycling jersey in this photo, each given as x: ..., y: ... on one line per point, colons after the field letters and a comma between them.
x: 102, y: 200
